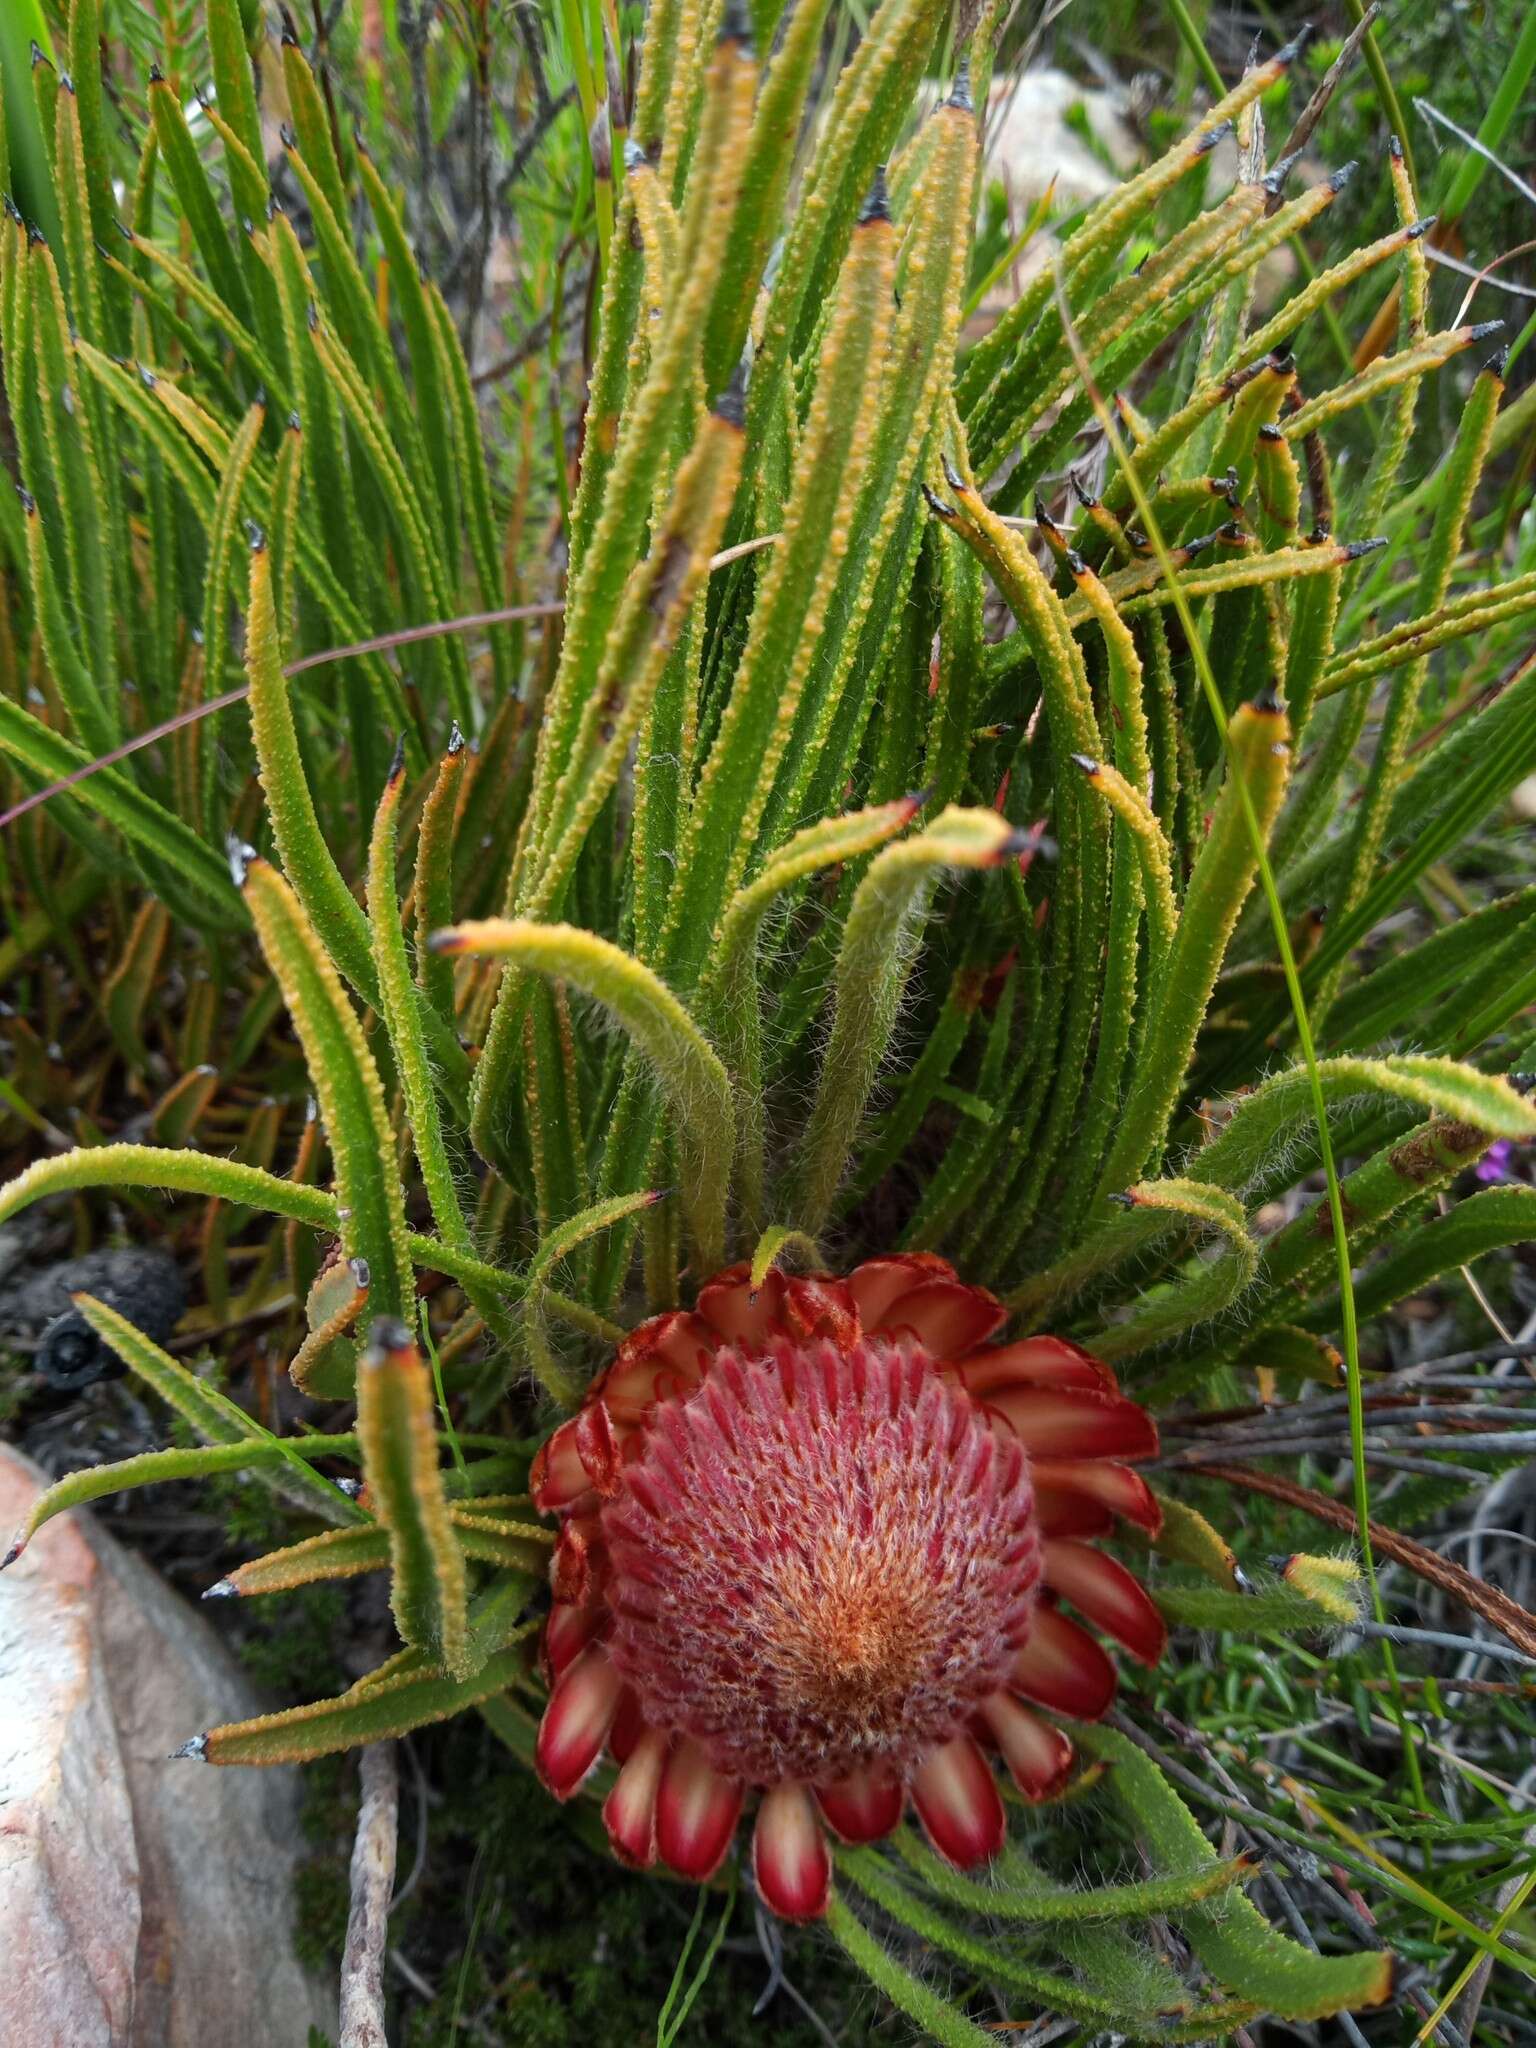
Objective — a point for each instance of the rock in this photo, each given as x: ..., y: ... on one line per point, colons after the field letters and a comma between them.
x: 1029, y: 146
x: 68, y: 1862
x: 143, y: 1284
x: 1030, y: 141
x: 146, y: 1903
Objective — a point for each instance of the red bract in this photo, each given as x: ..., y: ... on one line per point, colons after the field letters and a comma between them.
x: 813, y: 1543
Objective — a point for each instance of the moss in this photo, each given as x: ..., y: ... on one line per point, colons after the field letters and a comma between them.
x: 520, y: 1925
x: 320, y: 1912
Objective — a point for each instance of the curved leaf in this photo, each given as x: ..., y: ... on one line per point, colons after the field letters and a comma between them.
x: 873, y: 964
x: 1232, y: 1939
x: 685, y: 1064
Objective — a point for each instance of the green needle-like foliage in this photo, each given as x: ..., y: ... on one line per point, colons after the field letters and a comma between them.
x: 876, y: 841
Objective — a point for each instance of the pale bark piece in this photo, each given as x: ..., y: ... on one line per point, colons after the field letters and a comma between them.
x: 373, y: 1884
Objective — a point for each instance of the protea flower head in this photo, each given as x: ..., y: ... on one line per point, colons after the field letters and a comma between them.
x: 817, y: 1544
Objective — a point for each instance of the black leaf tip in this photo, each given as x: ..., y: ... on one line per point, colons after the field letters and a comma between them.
x: 156, y: 75
x: 1498, y: 363
x: 66, y: 84
x: 240, y: 857
x: 197, y: 1748
x: 1209, y: 141
x: 1483, y: 329
x: 1076, y: 564
x: 731, y: 403
x: 1268, y: 432
x: 350, y: 1487
x: 28, y: 502
x: 1087, y: 763
x: 1354, y: 549
x: 455, y: 740
x: 1200, y: 543
x: 1281, y: 361
x: 1418, y: 228
x: 960, y: 92
x: 286, y: 136
x: 916, y: 798
x: 362, y: 1276
x: 11, y: 1556
x: 1295, y: 46
x: 736, y: 26
x: 635, y: 158
x: 147, y: 378
x: 397, y: 761
x: 40, y: 56
x: 1395, y: 147
x: 1085, y: 497
x: 952, y: 476
x: 1125, y: 1200
x: 221, y: 1589
x: 256, y: 537
x: 388, y: 1333
x: 1274, y: 183
x: 877, y: 201
x: 312, y: 317
x: 937, y: 506
x: 1269, y: 702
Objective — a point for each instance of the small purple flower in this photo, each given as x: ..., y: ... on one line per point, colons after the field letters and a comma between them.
x: 1497, y: 1163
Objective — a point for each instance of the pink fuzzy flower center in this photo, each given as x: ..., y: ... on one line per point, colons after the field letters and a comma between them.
x: 821, y: 1560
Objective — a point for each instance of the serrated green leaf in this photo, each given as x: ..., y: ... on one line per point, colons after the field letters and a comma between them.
x: 216, y: 1418
x: 395, y: 1429
x: 366, y: 1714
x: 1232, y: 1939
x: 155, y: 1468
x: 346, y: 1084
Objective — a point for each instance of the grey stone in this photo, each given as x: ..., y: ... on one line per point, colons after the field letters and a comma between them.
x: 146, y: 1903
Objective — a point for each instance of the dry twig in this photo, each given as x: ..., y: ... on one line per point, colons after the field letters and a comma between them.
x: 373, y: 1881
